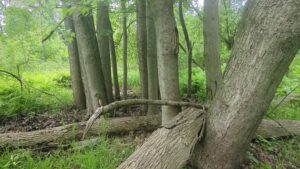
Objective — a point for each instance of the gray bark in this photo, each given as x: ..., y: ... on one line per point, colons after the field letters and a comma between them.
x: 142, y: 48
x: 76, y: 78
x: 189, y: 49
x: 88, y: 49
x: 213, y: 71
x: 267, y: 41
x: 167, y: 54
x: 103, y: 36
x: 152, y: 62
x: 170, y: 146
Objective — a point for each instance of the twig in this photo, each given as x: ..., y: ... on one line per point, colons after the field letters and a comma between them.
x: 53, y: 30
x: 104, y: 109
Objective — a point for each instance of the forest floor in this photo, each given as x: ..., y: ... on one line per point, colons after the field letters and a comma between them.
x: 263, y: 153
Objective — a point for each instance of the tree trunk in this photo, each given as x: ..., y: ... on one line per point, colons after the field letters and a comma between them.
x: 114, y: 62
x: 124, y: 49
x: 151, y: 62
x: 88, y: 49
x: 189, y: 49
x: 103, y: 36
x: 169, y: 147
x: 76, y: 78
x: 167, y: 54
x: 211, y: 47
x: 267, y: 41
x: 141, y: 35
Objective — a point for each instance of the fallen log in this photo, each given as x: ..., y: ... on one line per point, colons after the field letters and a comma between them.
x: 75, y: 130
x: 267, y: 129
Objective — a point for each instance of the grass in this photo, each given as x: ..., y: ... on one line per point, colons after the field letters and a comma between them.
x: 106, y: 155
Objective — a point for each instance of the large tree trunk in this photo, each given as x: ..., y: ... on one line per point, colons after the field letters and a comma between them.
x: 88, y: 49
x: 114, y: 62
x: 211, y: 47
x: 103, y: 36
x: 76, y: 77
x: 169, y: 147
x: 151, y: 62
x: 189, y: 49
x: 167, y: 54
x: 266, y: 43
x: 142, y: 48
x: 124, y: 49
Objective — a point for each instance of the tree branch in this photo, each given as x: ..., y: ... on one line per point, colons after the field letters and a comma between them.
x: 104, y: 109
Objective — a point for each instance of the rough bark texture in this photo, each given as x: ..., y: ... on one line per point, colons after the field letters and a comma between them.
x: 151, y: 62
x: 142, y: 48
x: 103, y: 35
x: 114, y: 62
x: 124, y: 49
x: 76, y: 78
x: 189, y: 49
x: 88, y: 49
x: 167, y: 54
x: 169, y: 147
x: 266, y: 43
x: 213, y: 71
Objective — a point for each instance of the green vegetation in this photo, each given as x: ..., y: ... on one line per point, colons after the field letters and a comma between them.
x: 105, y: 155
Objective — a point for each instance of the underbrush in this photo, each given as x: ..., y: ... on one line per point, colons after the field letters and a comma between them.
x: 105, y: 155
x: 41, y: 92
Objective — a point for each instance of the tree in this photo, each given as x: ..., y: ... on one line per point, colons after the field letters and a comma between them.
x: 151, y: 61
x: 211, y: 47
x: 76, y: 78
x: 103, y: 43
x: 114, y: 62
x: 124, y: 49
x: 142, y: 47
x: 167, y: 54
x: 189, y: 49
x: 268, y: 39
x: 88, y: 49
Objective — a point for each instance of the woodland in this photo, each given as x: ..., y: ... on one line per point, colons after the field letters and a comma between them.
x: 149, y: 84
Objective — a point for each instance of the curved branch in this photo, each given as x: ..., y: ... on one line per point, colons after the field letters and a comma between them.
x: 14, y: 76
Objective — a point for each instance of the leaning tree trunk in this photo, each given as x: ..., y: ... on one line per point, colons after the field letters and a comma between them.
x: 167, y: 54
x: 76, y: 77
x: 151, y: 62
x: 211, y: 47
x: 88, y: 49
x: 267, y: 41
x: 189, y: 49
x: 103, y: 35
x: 142, y: 48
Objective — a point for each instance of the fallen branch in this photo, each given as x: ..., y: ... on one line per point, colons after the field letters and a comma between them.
x: 104, y: 109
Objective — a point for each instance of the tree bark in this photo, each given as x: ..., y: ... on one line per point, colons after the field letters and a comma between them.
x: 88, y: 49
x: 141, y: 35
x: 213, y: 71
x: 267, y: 41
x: 170, y: 146
x: 189, y: 49
x: 114, y: 62
x: 75, y: 70
x: 151, y: 62
x: 124, y: 50
x: 167, y: 54
x: 103, y: 36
